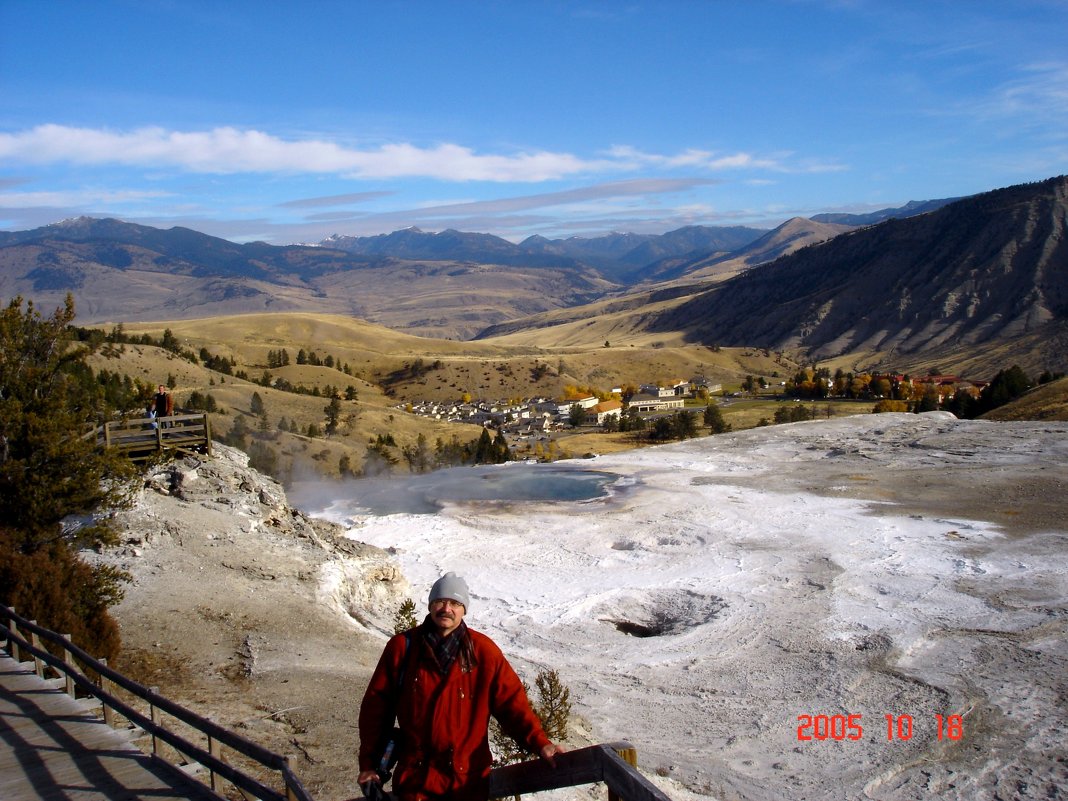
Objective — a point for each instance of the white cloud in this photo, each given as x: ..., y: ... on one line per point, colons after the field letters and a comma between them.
x: 228, y: 150
x: 351, y: 198
x: 1041, y: 91
x: 692, y: 157
x: 1034, y: 98
x: 12, y: 200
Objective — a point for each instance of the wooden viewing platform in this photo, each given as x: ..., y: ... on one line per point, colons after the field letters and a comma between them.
x: 143, y: 437
x: 53, y: 749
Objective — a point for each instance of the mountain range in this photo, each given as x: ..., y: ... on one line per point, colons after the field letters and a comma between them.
x: 448, y: 284
x: 942, y: 277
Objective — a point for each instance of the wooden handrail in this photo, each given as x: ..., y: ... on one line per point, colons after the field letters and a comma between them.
x: 210, y: 758
x: 597, y: 763
x: 142, y: 436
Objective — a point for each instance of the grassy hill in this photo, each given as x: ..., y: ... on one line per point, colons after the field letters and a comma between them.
x: 388, y: 370
x: 485, y: 369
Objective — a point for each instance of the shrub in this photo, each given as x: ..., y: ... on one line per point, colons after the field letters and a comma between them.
x: 886, y: 405
x: 63, y: 593
x: 553, y: 708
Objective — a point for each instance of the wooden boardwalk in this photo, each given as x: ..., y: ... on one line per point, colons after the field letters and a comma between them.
x: 53, y: 749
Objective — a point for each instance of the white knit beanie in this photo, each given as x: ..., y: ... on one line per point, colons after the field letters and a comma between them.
x: 453, y: 587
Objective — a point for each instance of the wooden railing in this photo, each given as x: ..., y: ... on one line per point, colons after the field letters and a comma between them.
x: 142, y: 437
x: 613, y: 763
x: 12, y: 627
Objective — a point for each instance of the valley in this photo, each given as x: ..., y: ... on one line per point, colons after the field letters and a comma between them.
x: 380, y: 369
x: 966, y: 287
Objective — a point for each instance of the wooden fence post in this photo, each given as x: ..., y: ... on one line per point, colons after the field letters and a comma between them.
x: 157, y: 718
x: 630, y: 756
x: 106, y: 686
x: 16, y: 652
x: 70, y: 664
x: 215, y: 749
x: 38, y: 663
x: 291, y: 794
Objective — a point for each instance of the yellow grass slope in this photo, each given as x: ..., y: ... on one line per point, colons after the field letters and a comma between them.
x: 491, y: 369
x: 390, y: 370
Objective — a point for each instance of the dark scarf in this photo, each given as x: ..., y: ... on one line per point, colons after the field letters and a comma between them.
x: 446, y: 649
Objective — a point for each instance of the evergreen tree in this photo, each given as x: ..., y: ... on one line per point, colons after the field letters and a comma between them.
x: 577, y: 415
x: 47, y: 400
x: 713, y: 419
x: 417, y: 456
x: 378, y: 460
x: 333, y: 415
x: 48, y: 472
x: 1006, y: 386
x: 238, y: 434
x: 405, y: 618
x: 553, y: 708
x: 929, y: 402
x: 501, y: 451
x: 484, y: 453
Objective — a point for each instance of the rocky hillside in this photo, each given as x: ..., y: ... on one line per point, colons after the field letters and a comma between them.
x: 247, y: 612
x: 989, y: 271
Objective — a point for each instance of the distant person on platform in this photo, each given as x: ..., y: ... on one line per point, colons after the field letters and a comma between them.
x: 441, y: 681
x: 164, y: 403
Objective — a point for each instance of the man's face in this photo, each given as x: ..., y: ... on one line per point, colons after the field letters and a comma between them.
x: 446, y: 614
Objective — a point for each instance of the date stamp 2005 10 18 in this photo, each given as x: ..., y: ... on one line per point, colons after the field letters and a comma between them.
x: 849, y: 727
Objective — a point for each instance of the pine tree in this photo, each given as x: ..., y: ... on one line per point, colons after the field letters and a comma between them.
x: 48, y: 472
x: 405, y: 617
x: 333, y: 415
x: 553, y: 708
x: 713, y: 419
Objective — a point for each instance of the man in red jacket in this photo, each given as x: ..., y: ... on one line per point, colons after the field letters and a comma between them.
x: 442, y: 681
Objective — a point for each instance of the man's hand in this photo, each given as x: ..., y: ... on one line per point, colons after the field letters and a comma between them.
x: 549, y: 752
x: 368, y: 776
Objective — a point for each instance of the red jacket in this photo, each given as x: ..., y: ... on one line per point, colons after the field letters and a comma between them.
x: 444, y: 720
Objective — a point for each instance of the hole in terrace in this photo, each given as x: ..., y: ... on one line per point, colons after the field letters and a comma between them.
x: 660, y: 613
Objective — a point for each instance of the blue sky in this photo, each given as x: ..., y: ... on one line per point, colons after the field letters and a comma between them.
x: 287, y: 122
